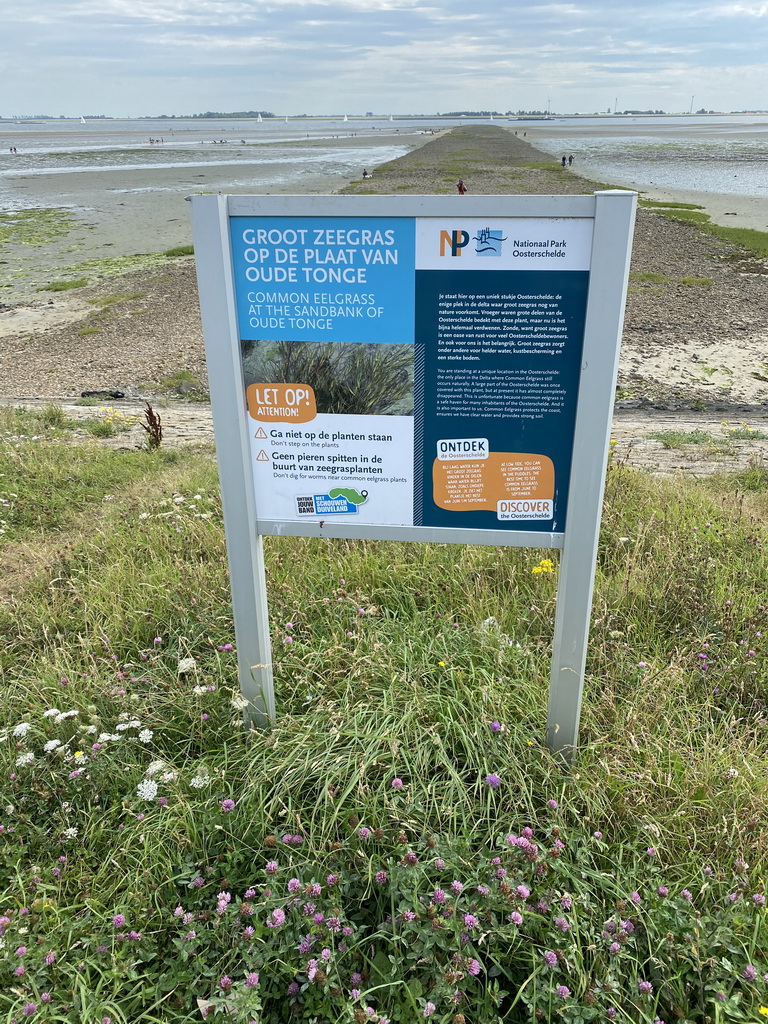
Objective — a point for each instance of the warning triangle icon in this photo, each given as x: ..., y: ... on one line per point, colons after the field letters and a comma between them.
x: 261, y: 432
x: 262, y: 456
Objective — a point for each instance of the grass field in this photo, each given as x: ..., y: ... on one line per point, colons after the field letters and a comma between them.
x: 399, y: 845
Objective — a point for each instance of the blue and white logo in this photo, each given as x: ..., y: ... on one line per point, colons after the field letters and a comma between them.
x: 488, y: 242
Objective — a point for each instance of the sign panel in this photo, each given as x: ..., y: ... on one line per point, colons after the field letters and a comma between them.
x: 412, y: 371
x: 414, y: 368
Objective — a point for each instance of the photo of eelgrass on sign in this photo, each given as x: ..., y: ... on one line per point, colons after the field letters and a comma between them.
x: 399, y: 844
x: 347, y: 378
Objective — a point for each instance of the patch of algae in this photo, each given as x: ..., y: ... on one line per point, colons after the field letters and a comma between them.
x: 34, y: 227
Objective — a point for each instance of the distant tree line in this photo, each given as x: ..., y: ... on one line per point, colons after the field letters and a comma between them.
x: 235, y: 113
x: 471, y: 113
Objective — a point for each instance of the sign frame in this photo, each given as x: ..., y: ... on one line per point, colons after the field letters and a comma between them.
x: 613, y: 214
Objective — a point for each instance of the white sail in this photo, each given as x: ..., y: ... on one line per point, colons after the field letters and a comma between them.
x: 259, y: 119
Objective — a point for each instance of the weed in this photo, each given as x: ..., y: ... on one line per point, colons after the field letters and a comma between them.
x: 680, y: 438
x: 180, y: 250
x: 704, y: 282
x: 648, y: 277
x: 111, y: 422
x: 153, y: 428
x: 743, y: 432
x: 64, y: 286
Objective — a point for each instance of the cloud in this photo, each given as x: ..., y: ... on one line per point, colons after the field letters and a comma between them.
x: 182, y: 56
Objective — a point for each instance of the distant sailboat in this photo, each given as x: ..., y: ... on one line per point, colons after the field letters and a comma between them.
x: 82, y: 120
x: 286, y: 119
x: 346, y: 118
x: 258, y: 119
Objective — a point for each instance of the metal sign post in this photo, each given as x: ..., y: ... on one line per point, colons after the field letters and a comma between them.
x: 497, y: 320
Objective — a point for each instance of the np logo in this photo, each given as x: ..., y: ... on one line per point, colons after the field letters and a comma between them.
x: 488, y: 242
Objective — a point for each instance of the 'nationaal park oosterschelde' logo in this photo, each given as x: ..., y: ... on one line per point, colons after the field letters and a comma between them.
x: 488, y: 242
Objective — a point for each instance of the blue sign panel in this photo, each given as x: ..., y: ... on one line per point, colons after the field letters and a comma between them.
x: 322, y: 279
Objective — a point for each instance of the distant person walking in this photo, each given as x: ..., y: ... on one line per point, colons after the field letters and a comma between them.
x: 461, y: 187
x: 570, y: 160
x: 565, y: 161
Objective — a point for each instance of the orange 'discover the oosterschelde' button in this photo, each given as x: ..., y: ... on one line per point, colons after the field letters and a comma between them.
x: 289, y: 403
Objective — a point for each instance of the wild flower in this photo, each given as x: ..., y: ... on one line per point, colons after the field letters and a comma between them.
x: 493, y: 781
x: 544, y: 566
x: 147, y: 789
x: 227, y: 805
x: 397, y: 783
x: 21, y: 730
x: 550, y: 958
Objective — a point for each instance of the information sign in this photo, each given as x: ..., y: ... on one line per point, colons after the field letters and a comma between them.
x: 420, y: 368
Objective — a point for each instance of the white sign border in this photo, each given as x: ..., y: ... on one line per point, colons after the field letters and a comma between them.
x: 613, y: 213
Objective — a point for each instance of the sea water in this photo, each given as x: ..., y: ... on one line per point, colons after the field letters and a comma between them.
x: 726, y: 155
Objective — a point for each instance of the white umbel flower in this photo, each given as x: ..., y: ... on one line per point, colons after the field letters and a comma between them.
x: 147, y: 789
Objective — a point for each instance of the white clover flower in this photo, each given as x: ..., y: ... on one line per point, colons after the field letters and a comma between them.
x: 199, y: 781
x: 147, y: 789
x: 51, y: 745
x: 186, y: 665
x: 21, y: 730
x: 146, y: 735
x: 51, y: 713
x: 24, y: 759
x: 154, y: 767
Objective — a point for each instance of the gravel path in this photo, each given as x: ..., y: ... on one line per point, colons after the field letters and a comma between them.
x: 695, y: 340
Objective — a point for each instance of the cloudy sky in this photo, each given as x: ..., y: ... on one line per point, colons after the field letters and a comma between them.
x: 143, y: 57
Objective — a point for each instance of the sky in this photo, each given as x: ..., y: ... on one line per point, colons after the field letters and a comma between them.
x: 129, y: 58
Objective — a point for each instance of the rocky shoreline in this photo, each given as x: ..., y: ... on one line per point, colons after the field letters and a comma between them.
x: 695, y: 336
